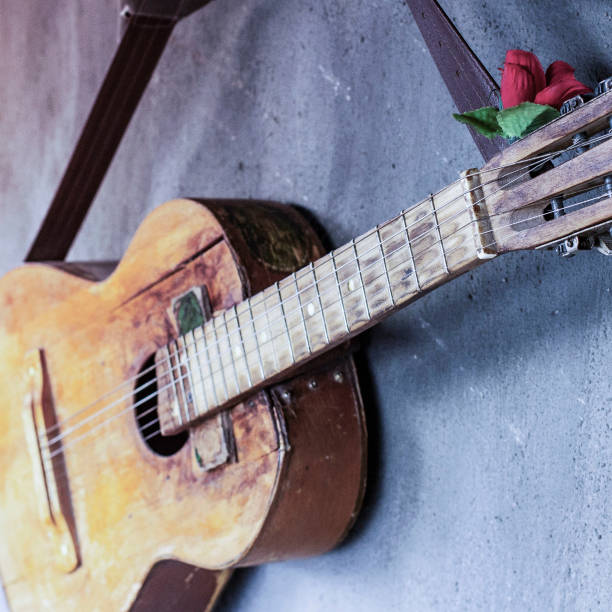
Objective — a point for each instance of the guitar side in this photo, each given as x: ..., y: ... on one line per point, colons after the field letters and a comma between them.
x: 291, y: 487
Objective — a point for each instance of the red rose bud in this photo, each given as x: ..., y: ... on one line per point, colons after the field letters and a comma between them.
x: 522, y: 78
x: 557, y: 71
x: 562, y: 85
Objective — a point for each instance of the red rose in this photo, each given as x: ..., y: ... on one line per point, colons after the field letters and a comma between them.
x: 562, y: 85
x: 523, y: 80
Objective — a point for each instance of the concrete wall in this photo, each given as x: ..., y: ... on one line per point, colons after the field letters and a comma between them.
x: 489, y: 401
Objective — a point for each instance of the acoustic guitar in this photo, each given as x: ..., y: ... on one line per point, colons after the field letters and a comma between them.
x: 198, y: 407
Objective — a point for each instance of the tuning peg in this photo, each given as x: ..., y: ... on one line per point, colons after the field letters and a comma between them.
x: 577, y: 101
x: 604, y: 243
x: 578, y: 139
x: 573, y: 103
x: 603, y: 86
x: 569, y: 247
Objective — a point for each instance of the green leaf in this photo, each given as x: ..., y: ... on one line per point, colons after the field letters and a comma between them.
x: 483, y: 120
x: 517, y: 121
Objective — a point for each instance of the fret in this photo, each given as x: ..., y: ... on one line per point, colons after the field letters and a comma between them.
x: 202, y: 401
x: 318, y: 294
x: 415, y: 273
x: 212, y: 339
x: 423, y: 236
x: 301, y: 311
x: 275, y: 317
x: 201, y: 335
x: 171, y: 384
x: 177, y: 373
x: 231, y: 349
x: 399, y: 262
x: 271, y: 335
x: 333, y: 260
x: 236, y: 340
x: 351, y: 288
x: 264, y: 334
x: 457, y: 227
x: 373, y: 274
x: 365, y: 297
x: 187, y: 378
x: 330, y: 298
x: 312, y: 314
x: 384, y: 260
x: 284, y: 317
x: 294, y: 317
x: 437, y: 225
x: 250, y: 341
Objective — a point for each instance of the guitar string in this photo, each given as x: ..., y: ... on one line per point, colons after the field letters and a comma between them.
x: 218, y: 342
x: 52, y: 455
x: 179, y: 365
x: 75, y: 478
x: 383, y: 290
x: 375, y: 262
x: 358, y: 289
x: 336, y: 253
x: 544, y: 158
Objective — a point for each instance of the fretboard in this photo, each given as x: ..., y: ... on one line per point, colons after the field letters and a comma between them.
x: 324, y: 304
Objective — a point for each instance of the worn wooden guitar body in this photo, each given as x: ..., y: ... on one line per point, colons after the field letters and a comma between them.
x: 278, y: 475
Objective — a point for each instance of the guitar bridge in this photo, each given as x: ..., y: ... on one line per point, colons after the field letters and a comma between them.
x: 50, y: 476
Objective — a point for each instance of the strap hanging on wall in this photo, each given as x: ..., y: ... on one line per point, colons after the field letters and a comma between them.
x: 468, y: 81
x: 142, y: 44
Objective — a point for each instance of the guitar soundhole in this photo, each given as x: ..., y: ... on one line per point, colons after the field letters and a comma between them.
x: 147, y: 418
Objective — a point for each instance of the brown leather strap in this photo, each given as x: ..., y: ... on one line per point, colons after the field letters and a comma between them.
x: 172, y: 585
x: 125, y: 81
x: 467, y: 80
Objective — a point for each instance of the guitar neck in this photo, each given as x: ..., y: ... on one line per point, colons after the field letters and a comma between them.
x: 324, y: 304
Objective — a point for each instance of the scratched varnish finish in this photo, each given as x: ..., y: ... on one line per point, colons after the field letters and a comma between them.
x: 131, y: 507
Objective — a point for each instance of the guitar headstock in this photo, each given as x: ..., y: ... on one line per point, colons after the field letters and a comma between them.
x: 555, y: 185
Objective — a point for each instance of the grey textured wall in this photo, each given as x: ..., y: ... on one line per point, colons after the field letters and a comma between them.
x: 489, y: 401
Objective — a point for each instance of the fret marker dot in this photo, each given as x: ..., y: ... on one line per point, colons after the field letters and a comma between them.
x: 237, y: 351
x: 264, y: 336
x: 311, y: 309
x: 351, y: 285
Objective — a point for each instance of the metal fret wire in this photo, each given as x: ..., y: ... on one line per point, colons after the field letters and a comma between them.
x: 420, y: 253
x: 368, y: 234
